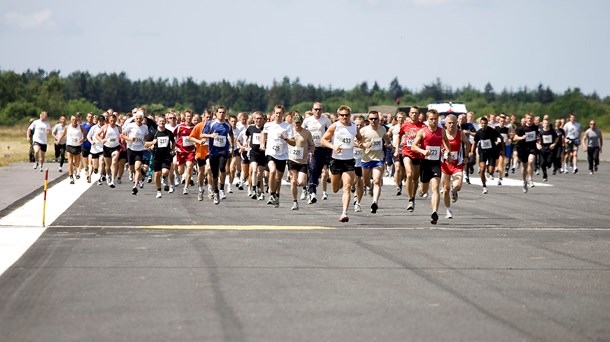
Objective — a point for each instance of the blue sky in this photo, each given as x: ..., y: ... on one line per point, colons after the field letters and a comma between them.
x: 338, y: 43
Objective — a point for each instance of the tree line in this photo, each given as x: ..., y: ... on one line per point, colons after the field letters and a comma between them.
x: 24, y: 95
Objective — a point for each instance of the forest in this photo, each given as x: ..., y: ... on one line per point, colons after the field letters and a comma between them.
x: 24, y: 95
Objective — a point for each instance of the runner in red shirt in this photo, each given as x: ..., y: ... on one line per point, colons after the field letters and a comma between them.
x: 411, y: 159
x: 185, y: 150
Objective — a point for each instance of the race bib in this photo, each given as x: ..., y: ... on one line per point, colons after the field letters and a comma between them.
x: 74, y: 141
x: 376, y: 144
x: 435, y: 152
x: 530, y: 136
x: 256, y: 139
x: 357, y: 153
x: 162, y: 142
x: 296, y: 152
x: 316, y: 136
x: 346, y: 141
x: 454, y: 155
x: 112, y: 140
x: 505, y: 137
x: 277, y: 147
x: 409, y: 142
x: 186, y: 141
x: 220, y: 141
x: 547, y: 139
x: 486, y: 144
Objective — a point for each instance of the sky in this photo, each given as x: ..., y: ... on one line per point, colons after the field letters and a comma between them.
x: 338, y: 43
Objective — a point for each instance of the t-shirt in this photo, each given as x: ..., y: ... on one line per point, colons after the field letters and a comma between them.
x: 40, y: 130
x: 408, y: 132
x: 531, y: 134
x: 87, y: 127
x: 299, y: 152
x: 138, y: 133
x: 593, y: 137
x: 220, y: 144
x: 547, y: 138
x: 572, y: 130
x: 182, y: 133
x: 275, y: 146
x: 162, y: 148
x: 74, y: 135
x: 201, y: 150
x: 376, y: 139
x: 253, y: 134
x: 58, y: 131
x: 97, y: 147
x: 317, y: 127
x: 487, y: 139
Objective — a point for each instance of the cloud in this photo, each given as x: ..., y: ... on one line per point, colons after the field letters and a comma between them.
x: 36, y: 21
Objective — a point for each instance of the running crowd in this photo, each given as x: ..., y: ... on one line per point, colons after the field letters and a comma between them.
x: 423, y: 150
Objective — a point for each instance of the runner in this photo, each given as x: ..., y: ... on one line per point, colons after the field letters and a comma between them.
x: 60, y: 143
x: 86, y: 146
x: 592, y: 143
x: 344, y: 134
x: 486, y: 139
x: 275, y: 138
x: 399, y: 168
x: 243, y: 149
x: 163, y: 144
x: 96, y: 149
x: 358, y: 186
x: 37, y: 135
x: 298, y: 155
x: 201, y: 156
x: 220, y: 142
x: 74, y: 135
x: 134, y: 134
x: 256, y: 155
x: 374, y: 140
x: 185, y: 150
x: 109, y: 136
x: 572, y: 129
x: 548, y: 143
x: 560, y: 148
x: 527, y: 138
x: 452, y: 165
x: 317, y: 124
x: 411, y: 160
x: 234, y: 163
x: 428, y: 142
x: 505, y: 149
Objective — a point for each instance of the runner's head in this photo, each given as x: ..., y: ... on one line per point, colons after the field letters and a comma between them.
x: 278, y: 113
x: 413, y: 113
x: 432, y: 116
x: 344, y: 112
x: 451, y: 123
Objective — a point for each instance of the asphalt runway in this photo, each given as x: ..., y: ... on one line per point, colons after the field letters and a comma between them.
x: 509, y: 266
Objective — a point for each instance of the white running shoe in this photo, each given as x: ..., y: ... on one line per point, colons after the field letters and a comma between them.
x: 312, y: 198
x: 216, y: 200
x: 484, y: 190
x: 499, y: 181
x: 185, y: 191
x: 159, y: 195
x: 295, y: 206
x: 60, y: 170
x: 171, y: 189
x: 449, y: 214
x: 303, y: 195
x: 222, y: 194
x: 357, y: 208
x: 35, y: 166
x: 230, y: 188
x: 200, y: 196
x: 324, y: 195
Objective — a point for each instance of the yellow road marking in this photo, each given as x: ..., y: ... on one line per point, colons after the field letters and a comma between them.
x: 227, y: 227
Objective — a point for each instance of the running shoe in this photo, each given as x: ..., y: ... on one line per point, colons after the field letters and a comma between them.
x: 484, y: 190
x: 159, y: 195
x: 276, y: 201
x: 574, y: 172
x: 222, y: 194
x: 590, y: 172
x: 216, y: 200
x: 312, y: 198
x: 185, y: 191
x: 449, y: 214
x: 131, y: 177
x: 60, y: 170
x: 271, y: 200
x: 324, y: 195
x: 499, y: 181
x: 240, y: 186
x: 411, y: 206
x: 112, y: 185
x: 261, y: 196
x: 71, y: 180
x: 200, y: 196
x: 166, y: 187
x: 434, y: 218
x: 524, y: 186
x: 141, y: 184
x: 88, y: 178
x: 343, y: 218
x: 171, y: 189
x: 374, y: 207
x: 230, y: 188
x: 303, y: 195
x: 99, y: 181
x: 295, y: 206
x: 357, y: 207
x: 149, y: 179
x: 35, y: 166
x: 134, y: 190
x: 531, y: 184
x: 398, y: 191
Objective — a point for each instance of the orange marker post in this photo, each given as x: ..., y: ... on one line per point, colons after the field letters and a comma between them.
x: 44, y: 204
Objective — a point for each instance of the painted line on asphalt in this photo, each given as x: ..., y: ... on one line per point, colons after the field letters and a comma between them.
x: 227, y: 227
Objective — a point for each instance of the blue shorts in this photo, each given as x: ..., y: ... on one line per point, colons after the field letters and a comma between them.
x: 372, y: 164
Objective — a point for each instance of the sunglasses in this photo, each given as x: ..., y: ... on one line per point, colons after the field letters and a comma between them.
x: 344, y: 114
x: 373, y: 118
x: 317, y: 109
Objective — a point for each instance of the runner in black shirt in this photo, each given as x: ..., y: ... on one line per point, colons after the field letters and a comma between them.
x: 527, y: 136
x: 163, y: 145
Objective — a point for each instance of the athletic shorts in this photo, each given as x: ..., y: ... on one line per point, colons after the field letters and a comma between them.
x: 73, y: 149
x: 43, y: 147
x: 258, y: 158
x: 280, y: 165
x: 245, y: 158
x: 236, y: 153
x: 201, y: 162
x: 108, y: 151
x: 398, y: 159
x: 451, y: 169
x: 146, y: 156
x: 183, y: 157
x: 85, y: 151
x: 218, y: 164
x: 524, y: 153
x: 134, y: 156
x: 123, y: 155
x: 429, y: 169
x: 572, y: 145
x: 96, y: 155
x: 159, y: 165
x: 372, y: 164
x: 488, y: 156
x: 296, y: 166
x: 338, y: 166
x: 358, y: 171
x: 414, y: 161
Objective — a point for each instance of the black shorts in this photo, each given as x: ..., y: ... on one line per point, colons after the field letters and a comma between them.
x: 108, y: 151
x: 73, y: 149
x: 358, y: 171
x: 280, y: 165
x: 123, y: 155
x: 398, y: 159
x: 85, y: 151
x: 259, y: 158
x: 488, y: 156
x: 296, y: 166
x: 414, y: 161
x: 95, y: 155
x: 134, y: 156
x: 201, y: 162
x: 236, y: 153
x: 159, y: 165
x: 429, y: 169
x: 338, y: 166
x: 524, y: 153
x: 43, y: 147
x: 218, y: 164
x: 245, y: 158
